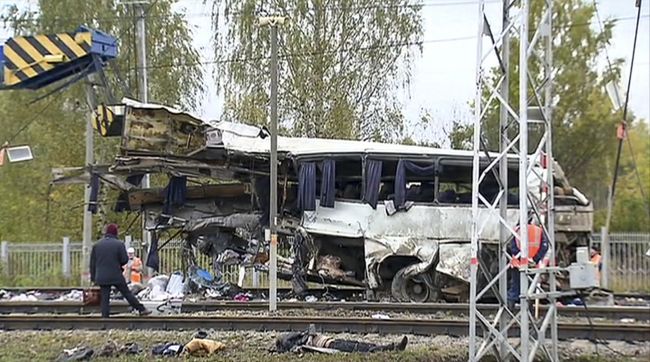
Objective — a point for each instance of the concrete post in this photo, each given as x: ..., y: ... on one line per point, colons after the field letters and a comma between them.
x: 65, y: 258
x: 256, y: 278
x: 605, y: 256
x: 127, y: 241
x: 4, y: 256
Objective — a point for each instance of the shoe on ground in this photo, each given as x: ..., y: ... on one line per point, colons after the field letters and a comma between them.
x: 402, y: 344
x: 145, y: 312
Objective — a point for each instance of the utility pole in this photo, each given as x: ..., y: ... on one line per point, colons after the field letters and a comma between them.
x: 142, y: 54
x: 88, y: 216
x: 141, y: 49
x: 273, y: 211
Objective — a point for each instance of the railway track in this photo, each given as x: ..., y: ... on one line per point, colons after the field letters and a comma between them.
x: 605, y: 331
x: 48, y: 307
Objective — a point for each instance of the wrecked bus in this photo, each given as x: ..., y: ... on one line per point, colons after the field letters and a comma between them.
x: 394, y: 219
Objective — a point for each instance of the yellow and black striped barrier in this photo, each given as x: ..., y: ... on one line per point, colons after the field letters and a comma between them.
x: 36, y: 61
x: 30, y: 56
x: 109, y: 120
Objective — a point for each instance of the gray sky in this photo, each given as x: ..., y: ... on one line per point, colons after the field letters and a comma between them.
x: 443, y: 77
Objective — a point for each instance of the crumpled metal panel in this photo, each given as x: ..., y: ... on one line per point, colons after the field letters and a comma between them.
x: 377, y: 250
x: 161, y: 132
x: 355, y: 220
x: 454, y: 260
x: 233, y: 221
x: 574, y: 218
x: 417, y: 232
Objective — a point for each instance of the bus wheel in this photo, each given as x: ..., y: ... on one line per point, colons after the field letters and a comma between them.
x: 409, y: 289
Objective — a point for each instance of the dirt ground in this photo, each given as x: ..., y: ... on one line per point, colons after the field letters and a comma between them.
x: 253, y: 346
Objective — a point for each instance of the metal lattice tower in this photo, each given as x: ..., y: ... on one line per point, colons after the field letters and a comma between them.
x: 516, y: 127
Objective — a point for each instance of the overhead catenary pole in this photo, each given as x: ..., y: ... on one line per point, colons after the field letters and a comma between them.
x: 273, y: 22
x: 88, y: 216
x: 143, y: 93
x: 524, y: 327
x: 273, y: 275
x: 142, y: 54
x: 504, y: 141
x: 534, y: 181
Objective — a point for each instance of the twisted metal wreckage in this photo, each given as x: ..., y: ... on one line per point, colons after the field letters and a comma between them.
x: 391, y: 218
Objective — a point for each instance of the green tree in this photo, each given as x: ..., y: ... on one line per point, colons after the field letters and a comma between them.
x: 630, y: 212
x: 341, y: 62
x: 584, y: 120
x: 30, y: 210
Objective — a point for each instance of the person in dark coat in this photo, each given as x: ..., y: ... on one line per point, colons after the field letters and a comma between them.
x: 107, y: 258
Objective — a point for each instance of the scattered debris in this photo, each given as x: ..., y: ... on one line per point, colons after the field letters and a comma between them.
x: 175, y: 285
x: 167, y: 349
x: 73, y: 295
x: 311, y: 299
x: 24, y: 298
x: 131, y: 348
x: 108, y: 350
x: 242, y: 297
x: 380, y: 316
x: 76, y: 354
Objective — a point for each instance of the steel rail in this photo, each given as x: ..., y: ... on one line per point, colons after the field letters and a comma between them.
x: 50, y: 307
x: 336, y: 290
x: 604, y: 331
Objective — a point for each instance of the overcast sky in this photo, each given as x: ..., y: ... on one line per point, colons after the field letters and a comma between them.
x: 443, y: 77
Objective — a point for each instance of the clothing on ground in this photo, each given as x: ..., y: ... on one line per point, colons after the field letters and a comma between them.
x: 206, y: 346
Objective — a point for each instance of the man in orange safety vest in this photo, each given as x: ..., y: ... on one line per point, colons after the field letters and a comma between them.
x: 537, y: 248
x: 133, y: 268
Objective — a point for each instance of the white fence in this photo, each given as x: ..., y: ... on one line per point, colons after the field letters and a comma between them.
x: 628, y: 269
x: 59, y: 264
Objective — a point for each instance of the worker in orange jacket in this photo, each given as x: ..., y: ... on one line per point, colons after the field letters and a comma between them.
x: 133, y: 268
x: 596, y: 258
x: 537, y: 247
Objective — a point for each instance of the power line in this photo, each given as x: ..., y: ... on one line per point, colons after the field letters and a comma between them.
x: 623, y: 125
x: 312, y: 54
x: 34, y: 118
x: 210, y: 14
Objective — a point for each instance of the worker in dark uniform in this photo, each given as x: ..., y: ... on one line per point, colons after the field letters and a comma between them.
x: 537, y: 247
x: 107, y: 260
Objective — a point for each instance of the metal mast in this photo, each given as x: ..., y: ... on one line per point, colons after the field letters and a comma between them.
x: 273, y: 22
x: 535, y: 180
x: 143, y: 92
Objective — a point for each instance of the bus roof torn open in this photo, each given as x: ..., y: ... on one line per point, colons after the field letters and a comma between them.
x: 393, y: 218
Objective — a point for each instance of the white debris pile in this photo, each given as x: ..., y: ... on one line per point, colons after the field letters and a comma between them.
x: 162, y: 287
x: 73, y: 295
x: 24, y: 297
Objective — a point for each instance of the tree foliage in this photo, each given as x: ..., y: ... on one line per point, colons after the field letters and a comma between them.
x: 31, y: 210
x: 631, y: 210
x: 341, y: 63
x: 584, y: 120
